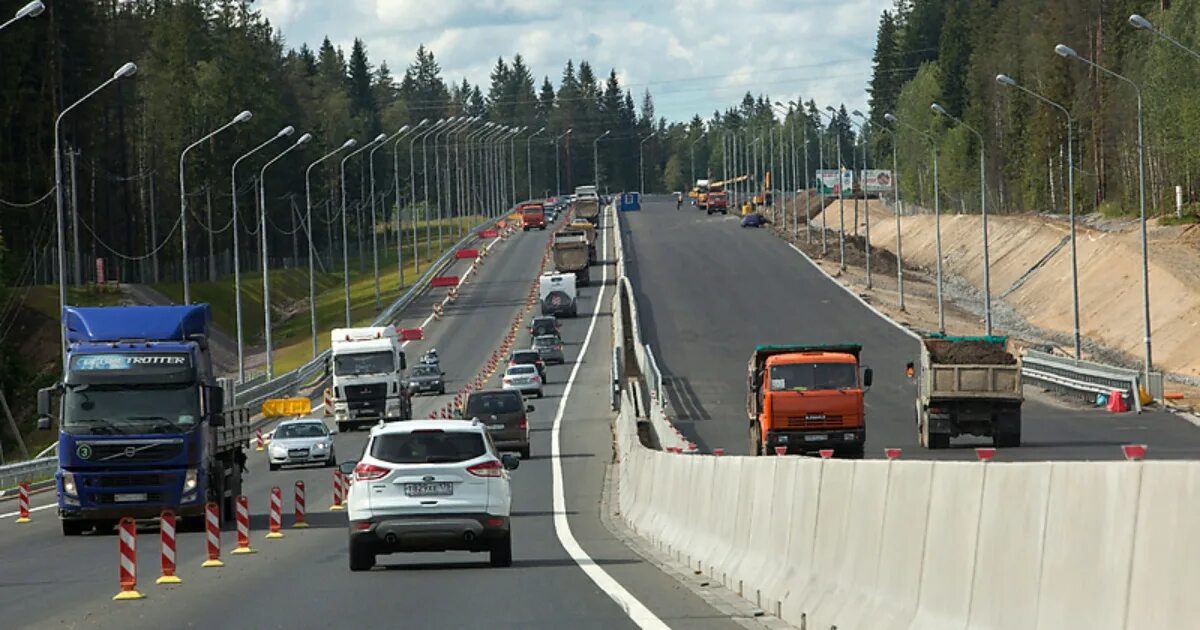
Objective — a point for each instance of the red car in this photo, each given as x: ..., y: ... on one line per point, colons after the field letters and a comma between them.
x: 533, y: 216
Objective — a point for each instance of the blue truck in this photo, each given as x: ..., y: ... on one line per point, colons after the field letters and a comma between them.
x: 142, y: 420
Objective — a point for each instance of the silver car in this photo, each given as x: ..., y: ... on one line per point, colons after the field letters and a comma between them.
x: 549, y: 348
x: 523, y: 377
x: 302, y: 441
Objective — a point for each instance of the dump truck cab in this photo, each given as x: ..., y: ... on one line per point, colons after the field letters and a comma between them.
x: 807, y: 398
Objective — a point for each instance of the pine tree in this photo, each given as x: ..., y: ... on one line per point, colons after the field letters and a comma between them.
x: 885, y: 81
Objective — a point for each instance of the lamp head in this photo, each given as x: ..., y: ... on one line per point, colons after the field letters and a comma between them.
x: 349, y: 144
x: 829, y: 108
x: 33, y: 9
x: 859, y: 114
x: 423, y: 121
x: 286, y: 131
x: 127, y: 70
x: 938, y: 109
x: 890, y: 117
x: 1066, y: 52
x: 1004, y: 79
x: 243, y: 117
x: 380, y: 138
x: 402, y: 129
x: 1140, y: 22
x: 305, y: 139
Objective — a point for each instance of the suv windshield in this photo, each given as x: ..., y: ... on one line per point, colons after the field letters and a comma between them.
x: 813, y: 376
x: 492, y: 404
x: 364, y: 363
x: 545, y: 341
x: 525, y: 356
x: 130, y: 409
x: 425, y: 370
x: 301, y: 430
x: 420, y: 447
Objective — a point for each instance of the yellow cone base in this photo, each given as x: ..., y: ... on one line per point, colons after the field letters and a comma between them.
x: 300, y: 526
x: 123, y: 595
x: 259, y: 449
x: 24, y: 520
x: 275, y: 535
x: 242, y: 550
x: 212, y: 563
x: 169, y: 579
x: 336, y: 508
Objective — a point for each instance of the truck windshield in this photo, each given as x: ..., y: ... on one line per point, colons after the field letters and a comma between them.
x: 130, y: 409
x: 802, y: 377
x: 364, y: 363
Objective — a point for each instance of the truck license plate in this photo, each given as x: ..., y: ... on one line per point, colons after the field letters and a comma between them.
x: 137, y: 497
x: 439, y: 489
x: 496, y: 427
x: 816, y: 438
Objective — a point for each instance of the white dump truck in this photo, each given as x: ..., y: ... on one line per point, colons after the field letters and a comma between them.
x: 368, y: 367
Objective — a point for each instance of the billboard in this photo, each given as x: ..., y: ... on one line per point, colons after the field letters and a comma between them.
x: 827, y: 181
x: 876, y: 181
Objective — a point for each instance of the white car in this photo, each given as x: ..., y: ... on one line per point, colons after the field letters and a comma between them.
x: 430, y: 485
x: 524, y: 378
x: 301, y: 441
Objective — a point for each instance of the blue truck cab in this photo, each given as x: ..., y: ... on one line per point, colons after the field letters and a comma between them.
x: 142, y: 420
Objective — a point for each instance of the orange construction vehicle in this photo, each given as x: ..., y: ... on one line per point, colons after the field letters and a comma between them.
x: 805, y: 398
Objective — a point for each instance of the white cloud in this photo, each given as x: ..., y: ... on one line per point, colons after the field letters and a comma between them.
x: 695, y: 56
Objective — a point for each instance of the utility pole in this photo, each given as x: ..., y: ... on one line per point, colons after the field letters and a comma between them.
x: 212, y: 236
x: 154, y: 232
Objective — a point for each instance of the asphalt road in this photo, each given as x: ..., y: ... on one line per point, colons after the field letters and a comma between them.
x: 708, y: 291
x: 303, y: 581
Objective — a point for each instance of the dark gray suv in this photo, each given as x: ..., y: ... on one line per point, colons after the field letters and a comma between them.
x: 503, y: 412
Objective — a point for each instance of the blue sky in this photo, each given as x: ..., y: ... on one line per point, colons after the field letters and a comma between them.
x: 694, y: 56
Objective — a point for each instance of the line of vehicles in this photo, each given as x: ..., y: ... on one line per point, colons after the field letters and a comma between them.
x: 802, y: 399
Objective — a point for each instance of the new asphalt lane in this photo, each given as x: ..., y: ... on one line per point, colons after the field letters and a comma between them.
x: 708, y: 291
x: 303, y: 581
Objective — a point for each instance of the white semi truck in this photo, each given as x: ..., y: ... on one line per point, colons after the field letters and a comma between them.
x: 368, y: 367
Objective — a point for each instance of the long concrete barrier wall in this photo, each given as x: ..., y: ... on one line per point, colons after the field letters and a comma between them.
x: 923, y: 545
x: 927, y: 545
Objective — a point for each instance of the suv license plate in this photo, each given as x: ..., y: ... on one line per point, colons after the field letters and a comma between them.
x: 816, y: 438
x: 495, y: 427
x: 139, y: 497
x: 439, y: 489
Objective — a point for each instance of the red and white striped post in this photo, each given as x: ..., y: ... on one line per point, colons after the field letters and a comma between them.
x: 212, y: 535
x: 300, y: 523
x: 276, y: 513
x: 243, y: 526
x: 781, y: 450
x: 127, y: 533
x: 258, y: 440
x: 339, y: 492
x: 166, y: 526
x: 23, y: 503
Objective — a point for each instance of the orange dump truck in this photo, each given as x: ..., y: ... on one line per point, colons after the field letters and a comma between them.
x: 805, y: 398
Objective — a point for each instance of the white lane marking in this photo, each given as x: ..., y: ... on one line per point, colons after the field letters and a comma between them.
x: 636, y: 610
x: 32, y: 509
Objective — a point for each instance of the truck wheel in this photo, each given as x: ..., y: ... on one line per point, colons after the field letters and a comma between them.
x: 273, y: 467
x: 361, y: 557
x: 922, y: 440
x: 936, y: 441
x: 854, y: 452
x: 341, y: 427
x: 755, y: 441
x: 74, y: 527
x: 1008, y: 439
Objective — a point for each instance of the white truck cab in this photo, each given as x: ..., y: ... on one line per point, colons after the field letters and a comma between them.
x: 368, y: 367
x: 586, y: 192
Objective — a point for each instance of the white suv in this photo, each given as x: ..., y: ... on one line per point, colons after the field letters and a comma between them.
x: 429, y: 485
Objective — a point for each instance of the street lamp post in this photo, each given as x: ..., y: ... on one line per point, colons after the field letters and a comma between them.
x: 862, y: 130
x: 937, y: 216
x: 1067, y: 53
x: 345, y: 232
x: 474, y: 165
x: 126, y: 70
x: 896, y: 209
x: 399, y: 206
x: 437, y: 171
x: 237, y: 262
x: 374, y: 227
x: 987, y: 285
x: 412, y: 184
x: 529, y: 159
x: 512, y: 159
x: 240, y: 118
x: 312, y: 276
x: 642, y: 163
x: 557, y: 168
x: 460, y: 175
x: 31, y: 10
x: 841, y: 189
x: 1142, y: 23
x: 262, y: 227
x: 692, y: 154
x: 1008, y: 81
x: 596, y: 157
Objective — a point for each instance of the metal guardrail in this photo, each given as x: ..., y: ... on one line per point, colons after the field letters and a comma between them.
x: 654, y: 378
x: 253, y: 392
x: 1086, y: 379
